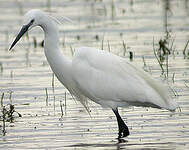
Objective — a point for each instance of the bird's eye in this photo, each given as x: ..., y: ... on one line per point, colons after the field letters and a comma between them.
x: 32, y: 21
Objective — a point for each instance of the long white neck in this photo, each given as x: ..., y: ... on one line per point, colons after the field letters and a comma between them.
x: 59, y: 64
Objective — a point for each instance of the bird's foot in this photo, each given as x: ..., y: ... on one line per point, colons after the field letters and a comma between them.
x: 123, y: 129
x: 121, y: 140
x: 123, y: 132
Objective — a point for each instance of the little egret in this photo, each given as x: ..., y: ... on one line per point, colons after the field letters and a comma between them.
x: 100, y: 76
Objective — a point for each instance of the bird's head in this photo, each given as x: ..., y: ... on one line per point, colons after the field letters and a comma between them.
x: 31, y: 19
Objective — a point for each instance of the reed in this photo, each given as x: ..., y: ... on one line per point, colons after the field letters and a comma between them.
x: 109, y: 48
x: 4, y: 112
x: 102, y: 44
x: 27, y: 36
x: 72, y: 50
x: 53, y: 82
x: 11, y: 74
x: 158, y: 59
x: 49, y: 5
x: 144, y: 62
x: 173, y: 78
x: 2, y: 97
x: 113, y: 11
x: 7, y: 112
x: 131, y: 56
x: 10, y: 96
x: 34, y: 42
x: 167, y: 65
x: 124, y: 48
x: 97, y: 37
x: 63, y: 41
x: 53, y: 89
x: 47, y: 96
x: 78, y: 37
x: 42, y: 43
x: 165, y: 48
x: 184, y: 50
x: 65, y: 99
x: 1, y: 67
x: 61, y: 108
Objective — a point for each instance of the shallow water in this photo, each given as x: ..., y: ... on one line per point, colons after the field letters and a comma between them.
x: 26, y: 73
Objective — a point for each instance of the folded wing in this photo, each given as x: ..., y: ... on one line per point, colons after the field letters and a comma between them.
x: 111, y: 81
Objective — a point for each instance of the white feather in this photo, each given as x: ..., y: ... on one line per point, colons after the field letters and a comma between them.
x: 111, y: 81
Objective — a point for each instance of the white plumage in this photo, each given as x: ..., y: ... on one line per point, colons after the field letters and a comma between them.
x: 100, y: 76
x: 111, y: 81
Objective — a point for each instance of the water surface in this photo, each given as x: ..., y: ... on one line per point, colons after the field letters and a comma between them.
x: 27, y: 74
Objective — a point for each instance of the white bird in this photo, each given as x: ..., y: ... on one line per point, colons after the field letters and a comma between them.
x: 100, y: 76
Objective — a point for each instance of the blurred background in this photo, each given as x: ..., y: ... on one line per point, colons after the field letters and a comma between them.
x: 37, y: 112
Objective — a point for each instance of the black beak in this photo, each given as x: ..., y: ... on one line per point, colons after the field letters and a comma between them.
x: 20, y: 34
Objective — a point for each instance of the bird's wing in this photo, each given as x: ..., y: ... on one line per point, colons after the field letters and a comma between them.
x: 111, y: 81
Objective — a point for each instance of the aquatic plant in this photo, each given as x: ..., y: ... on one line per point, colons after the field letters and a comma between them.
x: 34, y: 42
x: 63, y: 41
x: 72, y: 50
x: 165, y: 48
x: 124, y: 48
x: 97, y: 37
x: 49, y: 5
x: 7, y: 112
x: 42, y: 43
x: 47, y: 96
x: 53, y: 90
x: 186, y: 55
x: 63, y: 105
x: 109, y: 48
x: 113, y: 10
x: 78, y: 37
x: 102, y: 44
x: 61, y: 108
x: 130, y: 56
x: 65, y: 98
x: 1, y: 67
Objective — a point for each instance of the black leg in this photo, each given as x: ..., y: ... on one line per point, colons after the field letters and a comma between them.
x: 123, y: 129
